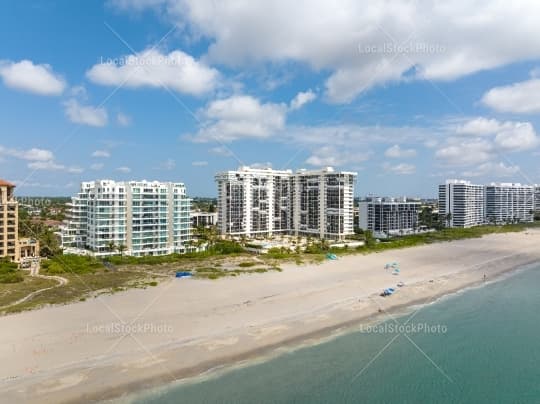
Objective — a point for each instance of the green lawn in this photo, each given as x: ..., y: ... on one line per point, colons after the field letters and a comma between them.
x: 11, y: 292
x: 80, y: 287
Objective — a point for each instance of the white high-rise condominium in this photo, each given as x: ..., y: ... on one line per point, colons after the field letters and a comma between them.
x: 254, y: 202
x: 264, y: 202
x: 145, y: 218
x: 509, y: 203
x: 461, y: 204
x: 323, y: 203
x: 537, y: 198
x: 388, y: 216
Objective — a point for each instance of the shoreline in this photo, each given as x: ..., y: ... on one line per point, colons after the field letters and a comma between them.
x: 242, y: 340
x: 218, y: 367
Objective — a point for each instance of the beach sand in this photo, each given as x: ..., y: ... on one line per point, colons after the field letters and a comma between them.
x: 184, y: 327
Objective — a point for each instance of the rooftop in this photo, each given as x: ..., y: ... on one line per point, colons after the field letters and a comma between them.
x: 460, y: 182
x: 4, y: 183
x: 509, y: 185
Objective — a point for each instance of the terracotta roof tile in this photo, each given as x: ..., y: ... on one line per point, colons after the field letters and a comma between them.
x: 4, y: 183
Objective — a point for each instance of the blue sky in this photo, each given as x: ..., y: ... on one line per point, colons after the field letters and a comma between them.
x: 177, y: 90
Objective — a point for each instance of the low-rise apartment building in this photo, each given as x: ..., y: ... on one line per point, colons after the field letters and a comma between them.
x: 203, y: 219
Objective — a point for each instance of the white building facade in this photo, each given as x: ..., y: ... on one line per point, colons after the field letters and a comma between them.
x: 324, y: 203
x: 254, y: 202
x: 145, y: 218
x: 203, y: 219
x: 461, y: 203
x: 264, y: 202
x: 537, y: 199
x: 389, y: 216
x: 509, y: 203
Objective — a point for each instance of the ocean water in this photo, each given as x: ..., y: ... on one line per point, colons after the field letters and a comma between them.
x: 483, y: 346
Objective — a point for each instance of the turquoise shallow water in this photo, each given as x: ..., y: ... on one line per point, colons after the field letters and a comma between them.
x: 490, y: 353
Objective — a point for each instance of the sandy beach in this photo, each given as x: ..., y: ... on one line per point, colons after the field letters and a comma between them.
x: 105, y: 347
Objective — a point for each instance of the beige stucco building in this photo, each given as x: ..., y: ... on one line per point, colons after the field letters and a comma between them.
x: 9, y: 222
x: 10, y: 245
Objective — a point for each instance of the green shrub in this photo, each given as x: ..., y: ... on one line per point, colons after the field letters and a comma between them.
x: 256, y: 246
x: 11, y: 277
x: 247, y: 264
x: 9, y: 272
x: 260, y: 270
x: 224, y: 247
x: 77, y: 264
x: 278, y: 253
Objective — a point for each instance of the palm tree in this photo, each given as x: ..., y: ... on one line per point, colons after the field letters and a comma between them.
x: 111, y: 246
x: 448, y: 219
x: 426, y: 217
x: 121, y: 248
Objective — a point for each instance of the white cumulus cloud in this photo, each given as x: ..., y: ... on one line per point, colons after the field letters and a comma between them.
x: 34, y: 78
x: 101, y: 154
x: 519, y: 136
x: 480, y: 141
x: 400, y: 169
x: 463, y: 152
x: 85, y: 114
x: 336, y: 157
x: 302, y: 98
x: 518, y: 98
x: 123, y: 119
x: 199, y: 163
x: 240, y: 116
x: 397, y: 152
x: 166, y: 165
x: 357, y: 42
x: 479, y: 126
x: 177, y: 71
x: 492, y: 170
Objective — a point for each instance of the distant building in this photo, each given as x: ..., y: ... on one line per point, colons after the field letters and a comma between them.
x: 264, y: 202
x: 509, y: 203
x: 537, y: 199
x: 9, y: 222
x: 461, y: 204
x: 389, y: 216
x: 203, y: 219
x: 145, y: 218
x: 28, y: 248
x: 11, y: 247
